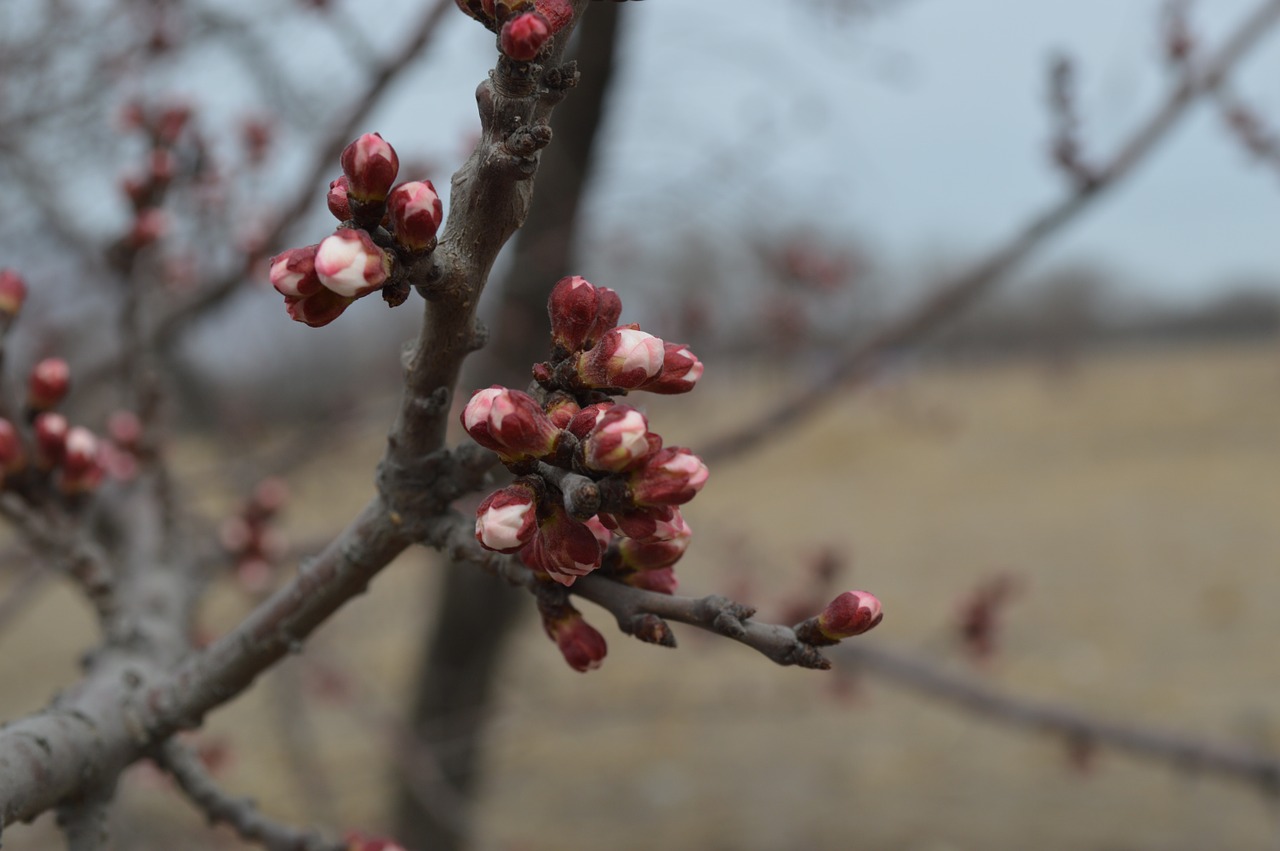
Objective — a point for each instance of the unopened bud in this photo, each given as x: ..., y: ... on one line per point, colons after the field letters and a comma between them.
x: 507, y: 519
x: 564, y: 548
x: 293, y: 272
x: 681, y: 370
x: 148, y: 226
x: 80, y: 469
x: 661, y: 580
x: 671, y: 476
x: 523, y: 36
x: 663, y: 549
x: 557, y: 12
x: 619, y: 440
x: 561, y: 408
x: 624, y: 358
x: 125, y: 429
x: 852, y: 613
x: 350, y: 264
x: 510, y: 423
x: 476, y: 9
x: 416, y: 214
x: 581, y: 644
x: 574, y: 307
x: 51, y: 438
x: 371, y: 165
x: 13, y: 292
x: 337, y: 199
x: 319, y: 308
x: 50, y: 380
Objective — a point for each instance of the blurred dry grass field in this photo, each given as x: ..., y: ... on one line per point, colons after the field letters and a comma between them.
x: 1138, y: 497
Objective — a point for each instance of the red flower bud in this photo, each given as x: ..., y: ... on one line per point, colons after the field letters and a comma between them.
x: 124, y: 429
x: 671, y: 476
x: 561, y: 409
x: 619, y: 440
x: 564, y: 548
x: 573, y: 307
x: 371, y: 165
x: 607, y: 317
x: 13, y: 292
x: 350, y: 264
x: 661, y: 580
x: 12, y: 456
x: 581, y: 644
x: 852, y: 613
x: 557, y: 12
x: 80, y: 469
x: 624, y: 357
x: 680, y: 371
x: 523, y: 36
x: 507, y: 519
x: 587, y: 418
x: 416, y: 214
x: 510, y: 423
x: 337, y: 198
x: 663, y: 549
x: 49, y: 383
x: 319, y: 308
x: 476, y: 9
x: 149, y: 225
x: 644, y: 524
x: 51, y: 438
x: 293, y: 272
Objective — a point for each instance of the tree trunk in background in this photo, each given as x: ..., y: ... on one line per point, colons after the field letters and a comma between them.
x: 476, y: 613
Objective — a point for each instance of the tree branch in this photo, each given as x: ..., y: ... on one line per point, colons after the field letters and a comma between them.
x: 1183, y: 753
x: 183, y: 764
x: 935, y: 309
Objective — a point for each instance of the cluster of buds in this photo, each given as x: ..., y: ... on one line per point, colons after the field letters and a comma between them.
x: 595, y: 488
x: 523, y: 26
x: 251, y: 539
x: 384, y: 229
x: 169, y: 144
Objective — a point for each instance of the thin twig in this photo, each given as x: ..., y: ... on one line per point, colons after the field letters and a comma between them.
x: 1182, y: 752
x: 184, y: 765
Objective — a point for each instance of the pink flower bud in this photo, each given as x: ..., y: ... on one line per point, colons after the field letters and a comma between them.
x: 80, y: 469
x: 561, y: 409
x: 350, y: 264
x: 416, y: 214
x: 564, y: 548
x: 13, y: 292
x: 51, y: 438
x: 651, y: 555
x: 293, y: 272
x: 602, y: 533
x: 852, y: 613
x: 124, y: 429
x: 50, y: 380
x: 319, y: 308
x: 573, y: 307
x: 371, y: 165
x: 671, y: 476
x: 619, y: 440
x: 587, y: 418
x: 12, y: 456
x: 623, y: 358
x: 523, y: 36
x: 510, y: 423
x: 680, y: 371
x: 581, y: 644
x: 507, y: 519
x: 557, y: 12
x: 607, y: 316
x: 643, y: 524
x: 661, y: 580
x: 337, y: 199
x: 269, y: 496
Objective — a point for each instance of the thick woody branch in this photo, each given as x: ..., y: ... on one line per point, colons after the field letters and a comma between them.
x: 956, y: 295
x: 184, y: 765
x: 1184, y: 753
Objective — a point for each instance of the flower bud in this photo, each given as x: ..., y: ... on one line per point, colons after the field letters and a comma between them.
x: 852, y: 613
x: 148, y: 226
x: 416, y: 214
x: 623, y: 358
x: 681, y: 369
x: 507, y: 519
x: 523, y: 36
x: 337, y: 198
x: 350, y: 264
x: 125, y: 429
x: 319, y: 308
x: 371, y: 165
x: 643, y: 524
x: 51, y: 438
x: 587, y: 418
x: 608, y: 315
x: 13, y: 292
x: 80, y: 469
x: 561, y: 409
x: 581, y: 644
x: 12, y: 456
x: 510, y: 423
x: 671, y: 476
x: 619, y: 440
x: 293, y: 272
x: 557, y: 12
x: 475, y: 8
x: 661, y: 580
x: 573, y: 307
x: 564, y: 548
x: 50, y: 380
x: 602, y: 533
x: 662, y: 549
